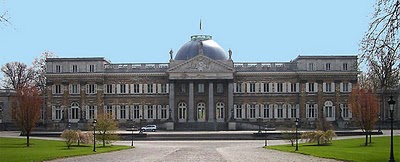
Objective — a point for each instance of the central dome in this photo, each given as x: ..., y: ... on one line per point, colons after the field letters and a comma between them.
x: 201, y: 44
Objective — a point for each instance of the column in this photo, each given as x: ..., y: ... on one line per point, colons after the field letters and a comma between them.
x: 230, y: 100
x: 211, y: 105
x: 172, y: 100
x: 191, y: 101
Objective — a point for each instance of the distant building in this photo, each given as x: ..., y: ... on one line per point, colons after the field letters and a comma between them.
x: 201, y: 88
x: 6, y: 121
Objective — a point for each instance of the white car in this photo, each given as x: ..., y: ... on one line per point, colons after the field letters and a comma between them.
x: 152, y: 128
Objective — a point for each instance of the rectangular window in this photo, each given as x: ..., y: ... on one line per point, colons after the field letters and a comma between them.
x: 345, y: 111
x: 311, y: 87
x: 345, y: 87
x: 344, y: 67
x: 164, y: 111
x: 311, y: 66
x: 327, y: 66
x: 122, y: 112
x: 279, y: 87
x: 59, y: 113
x: 239, y: 112
x: 150, y: 88
x: 74, y: 89
x: 109, y: 111
x: 136, y: 88
x: 109, y: 89
x: 122, y: 88
x: 280, y: 111
x: 136, y: 112
x: 293, y: 113
x: 252, y: 111
x: 164, y: 88
x: 58, y: 89
x: 74, y: 68
x: 252, y: 87
x: 293, y: 87
x: 328, y: 87
x: 220, y: 88
x: 311, y: 111
x: 200, y: 88
x: 266, y: 87
x: 266, y: 112
x: 91, y: 112
x: 91, y: 69
x: 58, y: 69
x: 91, y: 89
x: 238, y: 87
x: 150, y: 112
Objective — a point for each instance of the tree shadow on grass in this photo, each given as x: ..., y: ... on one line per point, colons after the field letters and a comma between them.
x: 17, y: 145
x: 313, y: 145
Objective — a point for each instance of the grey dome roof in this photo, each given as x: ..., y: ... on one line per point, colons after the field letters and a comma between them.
x: 201, y: 44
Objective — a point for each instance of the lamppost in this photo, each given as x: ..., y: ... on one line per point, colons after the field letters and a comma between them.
x: 133, y: 126
x: 379, y: 122
x: 391, y: 103
x: 259, y: 125
x: 140, y: 124
x: 265, y: 137
x: 94, y: 134
x: 297, y: 139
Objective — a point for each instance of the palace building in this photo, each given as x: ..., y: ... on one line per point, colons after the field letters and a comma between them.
x: 201, y: 88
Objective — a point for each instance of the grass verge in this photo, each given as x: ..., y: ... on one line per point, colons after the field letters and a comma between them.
x: 14, y: 149
x: 349, y: 149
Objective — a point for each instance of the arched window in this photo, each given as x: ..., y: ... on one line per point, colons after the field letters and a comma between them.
x: 201, y: 111
x: 329, y: 111
x: 220, y: 110
x: 182, y: 111
x: 74, y: 112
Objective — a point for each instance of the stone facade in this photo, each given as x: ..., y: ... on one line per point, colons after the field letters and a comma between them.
x: 201, y: 93
x: 6, y: 98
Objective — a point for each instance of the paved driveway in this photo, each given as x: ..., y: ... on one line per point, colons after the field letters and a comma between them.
x: 247, y: 151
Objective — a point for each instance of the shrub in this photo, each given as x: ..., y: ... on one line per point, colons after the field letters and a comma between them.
x: 70, y: 136
x: 84, y: 137
x: 290, y: 135
x: 324, y: 137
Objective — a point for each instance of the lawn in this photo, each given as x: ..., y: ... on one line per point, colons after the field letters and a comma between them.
x: 349, y: 149
x: 14, y: 149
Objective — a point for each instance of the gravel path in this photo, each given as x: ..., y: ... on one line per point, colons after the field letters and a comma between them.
x: 247, y: 151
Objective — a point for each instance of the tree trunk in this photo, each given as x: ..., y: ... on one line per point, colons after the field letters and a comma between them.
x: 370, y: 138
x: 104, y: 140
x: 27, y: 139
x: 366, y: 138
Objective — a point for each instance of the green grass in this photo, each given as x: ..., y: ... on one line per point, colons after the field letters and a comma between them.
x: 14, y: 149
x: 349, y: 149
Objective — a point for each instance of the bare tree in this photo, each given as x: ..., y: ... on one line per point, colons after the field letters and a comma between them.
x: 380, y: 45
x: 26, y: 109
x: 39, y: 69
x: 106, y: 128
x: 4, y: 18
x: 364, y: 106
x: 16, y: 75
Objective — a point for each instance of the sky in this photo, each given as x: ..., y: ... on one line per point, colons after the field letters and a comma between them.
x: 145, y: 31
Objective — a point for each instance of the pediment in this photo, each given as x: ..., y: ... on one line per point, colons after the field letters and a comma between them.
x: 201, y: 64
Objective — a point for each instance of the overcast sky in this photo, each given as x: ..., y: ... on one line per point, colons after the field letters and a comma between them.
x: 145, y: 31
